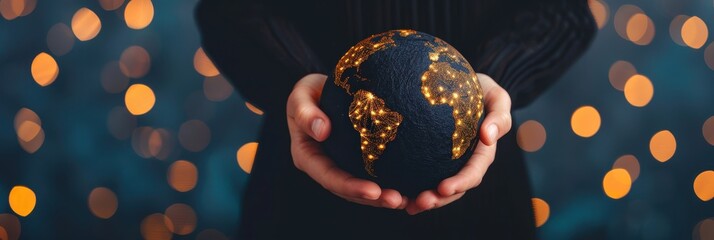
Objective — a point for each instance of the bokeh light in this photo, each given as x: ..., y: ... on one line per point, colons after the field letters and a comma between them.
x: 86, y: 24
x: 194, y: 135
x: 121, y: 123
x: 695, y: 32
x: 541, y: 211
x: 11, y: 225
x: 6, y: 10
x: 135, y: 62
x: 616, y: 183
x: 585, y: 121
x: 3, y: 233
x: 630, y: 164
x: 111, y: 5
x: 704, y: 230
x: 33, y: 145
x: 663, y: 145
x: 622, y: 17
x: 44, y: 69
x: 154, y: 227
x: 60, y: 39
x: 619, y: 72
x: 26, y: 114
x: 112, y: 78
x: 600, y: 12
x: 709, y: 56
x: 708, y: 130
x: 217, y: 88
x: 704, y: 185
x: 139, y: 99
x: 28, y: 130
x: 675, y: 29
x: 246, y: 156
x: 531, y: 136
x: 182, y: 176
x: 11, y: 9
x: 102, y: 202
x: 140, y: 141
x: 211, y: 234
x: 138, y: 14
x: 639, y: 90
x: 203, y: 64
x: 253, y: 108
x: 22, y: 200
x: 640, y: 29
x: 161, y: 143
x: 181, y: 219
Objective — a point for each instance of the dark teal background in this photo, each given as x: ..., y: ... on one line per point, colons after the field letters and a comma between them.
x: 80, y: 154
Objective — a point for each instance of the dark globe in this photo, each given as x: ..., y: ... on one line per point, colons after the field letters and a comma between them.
x: 405, y: 109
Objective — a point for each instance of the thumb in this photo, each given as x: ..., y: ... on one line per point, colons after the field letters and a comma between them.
x: 302, y: 107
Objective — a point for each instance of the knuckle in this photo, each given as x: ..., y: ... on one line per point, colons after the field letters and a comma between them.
x: 303, y: 115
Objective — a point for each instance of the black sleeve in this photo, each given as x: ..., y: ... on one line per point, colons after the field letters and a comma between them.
x: 543, y: 42
x: 262, y: 54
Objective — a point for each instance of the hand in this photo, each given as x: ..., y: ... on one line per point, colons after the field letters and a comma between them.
x: 309, y: 125
x: 496, y: 124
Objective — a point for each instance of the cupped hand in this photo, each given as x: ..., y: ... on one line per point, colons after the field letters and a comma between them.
x: 308, y: 125
x: 496, y: 124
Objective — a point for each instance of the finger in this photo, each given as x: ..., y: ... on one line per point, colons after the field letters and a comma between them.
x: 423, y: 202
x: 498, y: 111
x: 331, y: 177
x: 387, y: 200
x: 303, y: 107
x: 430, y: 199
x: 472, y: 173
x: 405, y: 202
x: 390, y: 198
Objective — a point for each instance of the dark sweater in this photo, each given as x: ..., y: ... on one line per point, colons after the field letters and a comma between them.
x: 264, y: 47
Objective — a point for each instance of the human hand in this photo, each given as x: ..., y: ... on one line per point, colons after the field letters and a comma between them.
x: 496, y: 124
x: 308, y: 125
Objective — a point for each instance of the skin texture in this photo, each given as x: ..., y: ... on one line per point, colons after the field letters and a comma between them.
x: 308, y: 126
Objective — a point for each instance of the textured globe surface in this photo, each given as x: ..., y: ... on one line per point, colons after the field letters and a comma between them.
x: 405, y: 109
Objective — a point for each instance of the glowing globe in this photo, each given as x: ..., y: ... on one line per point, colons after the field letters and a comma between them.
x: 405, y: 109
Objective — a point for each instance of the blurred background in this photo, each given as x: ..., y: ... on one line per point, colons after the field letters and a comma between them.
x: 115, y: 124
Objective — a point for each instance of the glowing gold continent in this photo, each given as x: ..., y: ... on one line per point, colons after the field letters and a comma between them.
x: 443, y: 84
x: 377, y: 125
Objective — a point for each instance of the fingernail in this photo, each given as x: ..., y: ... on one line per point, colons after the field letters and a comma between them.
x: 317, y: 127
x: 492, y: 131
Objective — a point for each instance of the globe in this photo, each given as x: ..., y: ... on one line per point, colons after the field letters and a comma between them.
x: 405, y: 109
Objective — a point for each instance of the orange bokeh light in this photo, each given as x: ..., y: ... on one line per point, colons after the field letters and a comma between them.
x: 246, y: 156
x: 102, y: 202
x: 182, y: 175
x: 663, y: 145
x: 541, y: 211
x: 44, y: 69
x: 704, y: 185
x: 638, y: 90
x: 139, y: 99
x: 531, y: 136
x: 203, y: 64
x: 181, y: 219
x: 585, y: 121
x: 138, y: 14
x: 695, y: 32
x: 86, y: 24
x: 22, y: 200
x: 617, y: 183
